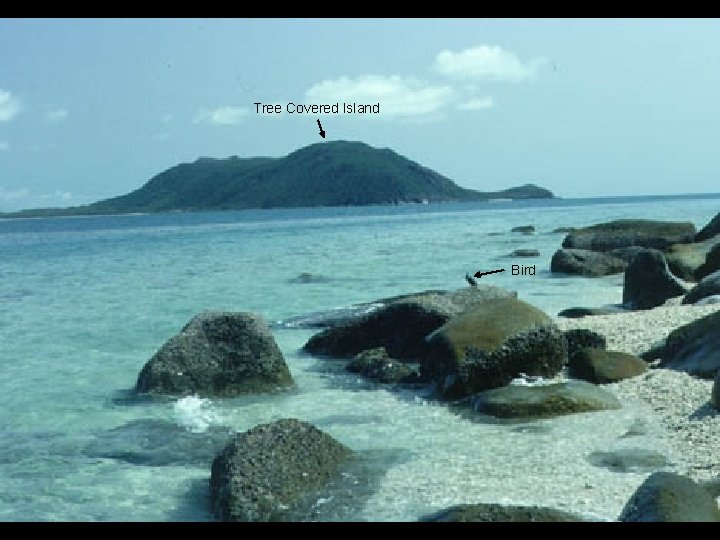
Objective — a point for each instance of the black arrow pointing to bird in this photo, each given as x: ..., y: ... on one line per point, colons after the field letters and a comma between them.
x: 322, y: 133
x: 481, y: 274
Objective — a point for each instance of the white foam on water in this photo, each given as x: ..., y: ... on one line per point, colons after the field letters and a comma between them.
x: 194, y: 413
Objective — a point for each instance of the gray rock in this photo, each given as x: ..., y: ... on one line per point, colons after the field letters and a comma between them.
x: 602, y: 367
x: 524, y: 229
x: 626, y: 254
x: 708, y: 286
x: 694, y: 347
x: 648, y: 282
x: 579, y: 312
x: 273, y: 469
x: 543, y: 401
x: 375, y: 364
x: 580, y: 338
x: 715, y: 396
x: 687, y: 261
x: 525, y: 253
x: 491, y: 513
x: 711, y: 263
x: 217, y: 354
x: 629, y: 460
x: 490, y: 344
x: 630, y: 232
x: 401, y: 325
x: 668, y: 497
x: 585, y: 263
x: 709, y: 230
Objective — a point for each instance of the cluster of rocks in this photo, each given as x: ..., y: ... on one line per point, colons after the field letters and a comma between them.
x: 660, y: 260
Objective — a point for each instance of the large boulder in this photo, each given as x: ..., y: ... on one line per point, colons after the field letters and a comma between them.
x: 709, y: 230
x: 401, y: 325
x: 715, y: 396
x: 491, y: 343
x: 711, y: 263
x: 648, y: 281
x: 630, y: 232
x: 217, y: 354
x: 708, y: 286
x: 579, y: 338
x: 666, y: 497
x: 687, y: 260
x: 694, y: 347
x: 376, y: 364
x: 489, y: 512
x: 601, y: 367
x: 543, y: 401
x: 272, y: 470
x: 585, y: 263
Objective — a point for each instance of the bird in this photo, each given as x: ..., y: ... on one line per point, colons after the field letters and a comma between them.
x: 470, y: 280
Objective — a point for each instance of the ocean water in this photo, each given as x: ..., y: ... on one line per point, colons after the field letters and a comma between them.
x: 85, y: 302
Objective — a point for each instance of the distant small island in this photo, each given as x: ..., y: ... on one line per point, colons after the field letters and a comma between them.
x: 339, y: 173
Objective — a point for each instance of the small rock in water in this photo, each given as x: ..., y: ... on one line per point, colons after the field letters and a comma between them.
x: 307, y: 277
x: 525, y: 253
x: 629, y: 460
x: 524, y: 229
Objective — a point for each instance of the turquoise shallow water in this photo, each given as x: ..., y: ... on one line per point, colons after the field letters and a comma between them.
x: 84, y: 302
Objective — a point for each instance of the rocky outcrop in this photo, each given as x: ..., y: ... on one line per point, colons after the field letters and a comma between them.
x: 630, y: 232
x: 491, y: 513
x: 666, y: 497
x: 401, y: 325
x: 694, y: 347
x: 585, y: 263
x: 709, y: 230
x: 544, y: 401
x: 524, y: 229
x: 648, y: 281
x: 708, y: 286
x: 491, y: 343
x: 525, y: 253
x: 602, y: 367
x: 711, y: 264
x: 272, y: 469
x: 375, y: 364
x: 579, y: 338
x: 217, y: 354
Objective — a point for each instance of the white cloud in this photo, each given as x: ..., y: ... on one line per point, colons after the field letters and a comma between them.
x: 477, y: 104
x: 57, y: 115
x: 9, y: 106
x: 486, y: 62
x: 221, y: 115
x: 398, y: 96
x: 13, y: 195
x: 4, y: 145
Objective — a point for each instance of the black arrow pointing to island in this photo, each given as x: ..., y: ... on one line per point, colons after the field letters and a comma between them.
x: 322, y: 133
x: 481, y: 274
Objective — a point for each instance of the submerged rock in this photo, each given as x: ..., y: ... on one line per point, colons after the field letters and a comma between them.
x: 585, y: 263
x: 665, y: 497
x: 489, y: 344
x: 375, y: 364
x: 648, y: 281
x: 543, y: 401
x: 272, y: 469
x: 488, y: 512
x: 580, y: 338
x: 629, y: 460
x: 217, y: 354
x: 708, y: 286
x: 709, y: 230
x: 307, y: 277
x: 401, y: 325
x: 602, y: 367
x: 630, y: 232
x: 524, y: 229
x: 525, y: 253
x: 694, y: 347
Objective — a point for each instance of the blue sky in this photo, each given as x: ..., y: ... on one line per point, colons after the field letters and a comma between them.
x: 94, y: 108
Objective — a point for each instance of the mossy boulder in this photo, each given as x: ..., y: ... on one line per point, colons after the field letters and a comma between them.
x: 580, y: 338
x: 694, y: 347
x: 585, y: 263
x: 488, y: 512
x: 669, y: 497
x: 401, y: 325
x: 648, y: 282
x: 217, y: 354
x: 376, y: 364
x: 491, y: 343
x: 630, y: 232
x: 273, y: 469
x: 543, y: 401
x: 601, y: 367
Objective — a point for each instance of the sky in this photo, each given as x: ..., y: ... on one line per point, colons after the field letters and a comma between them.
x: 91, y: 109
